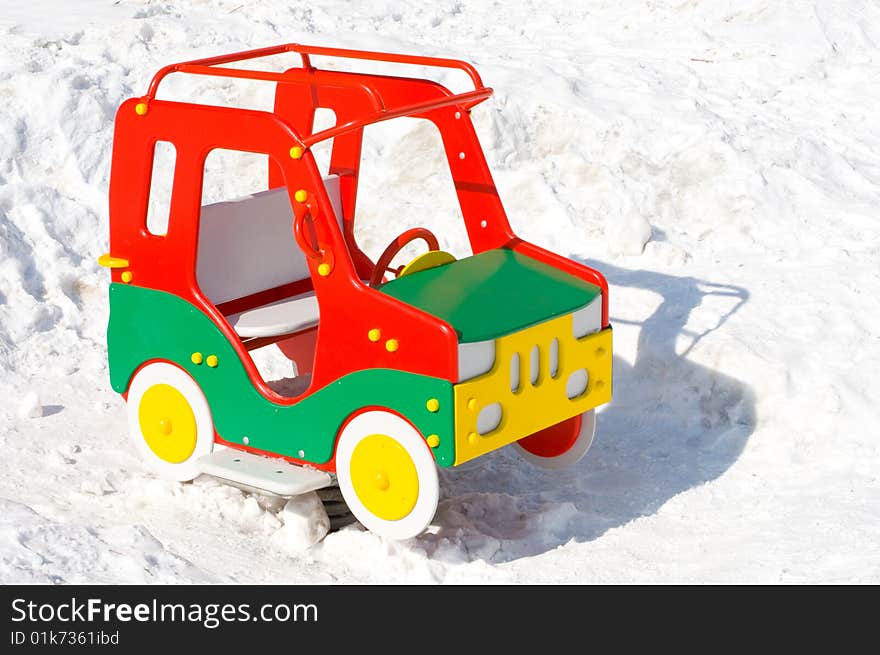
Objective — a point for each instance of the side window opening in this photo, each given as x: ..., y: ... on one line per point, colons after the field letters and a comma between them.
x: 251, y: 268
x: 407, y: 183
x: 325, y: 118
x: 161, y: 185
x: 231, y: 174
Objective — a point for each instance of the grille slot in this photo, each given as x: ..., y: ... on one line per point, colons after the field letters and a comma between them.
x: 554, y: 359
x: 514, y: 372
x: 535, y: 365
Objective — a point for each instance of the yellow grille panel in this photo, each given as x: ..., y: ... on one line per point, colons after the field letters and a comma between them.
x: 536, y: 405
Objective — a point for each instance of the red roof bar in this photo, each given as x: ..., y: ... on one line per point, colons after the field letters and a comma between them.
x: 304, y: 51
x: 466, y: 100
x: 370, y: 55
x: 288, y: 77
x: 208, y: 66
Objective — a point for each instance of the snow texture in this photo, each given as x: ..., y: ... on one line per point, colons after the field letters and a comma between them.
x: 718, y: 161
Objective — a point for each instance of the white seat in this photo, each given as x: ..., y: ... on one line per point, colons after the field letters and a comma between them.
x: 246, y: 246
x: 282, y: 317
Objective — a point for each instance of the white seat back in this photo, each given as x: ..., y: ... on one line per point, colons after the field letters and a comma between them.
x: 247, y: 245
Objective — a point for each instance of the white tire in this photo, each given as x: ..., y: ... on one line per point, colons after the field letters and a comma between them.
x: 574, y: 454
x: 387, y: 474
x: 169, y: 420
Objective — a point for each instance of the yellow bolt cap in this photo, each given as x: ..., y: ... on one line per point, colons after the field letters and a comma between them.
x: 472, y: 404
x: 391, y: 345
x: 433, y: 441
x: 296, y: 152
x: 381, y: 481
x: 140, y: 108
x: 323, y: 270
x: 197, y: 358
x: 433, y: 405
x: 126, y: 277
x: 301, y: 195
x: 472, y: 438
x: 374, y: 335
x: 212, y: 361
x: 165, y: 426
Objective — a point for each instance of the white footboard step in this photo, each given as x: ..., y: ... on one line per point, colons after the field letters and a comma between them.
x: 273, y: 475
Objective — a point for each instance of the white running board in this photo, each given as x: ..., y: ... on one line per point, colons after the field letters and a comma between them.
x: 259, y: 473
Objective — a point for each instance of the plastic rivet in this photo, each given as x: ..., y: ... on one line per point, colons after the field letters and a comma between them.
x: 197, y: 358
x: 165, y: 426
x: 245, y: 441
x: 600, y: 352
x: 433, y: 441
x: 212, y: 361
x: 126, y: 277
x: 296, y: 152
x: 472, y: 404
x: 301, y: 195
x: 391, y: 345
x: 433, y: 405
x: 374, y: 335
x: 381, y: 481
x: 324, y: 269
x: 600, y: 384
x: 472, y: 438
x: 140, y: 108
x: 302, y: 453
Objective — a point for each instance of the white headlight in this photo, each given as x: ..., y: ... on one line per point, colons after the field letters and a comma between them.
x: 588, y: 319
x: 475, y: 359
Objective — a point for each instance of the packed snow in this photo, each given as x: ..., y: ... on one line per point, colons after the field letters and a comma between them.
x: 718, y: 161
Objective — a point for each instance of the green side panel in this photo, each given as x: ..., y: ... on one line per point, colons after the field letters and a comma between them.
x: 147, y: 325
x: 493, y: 294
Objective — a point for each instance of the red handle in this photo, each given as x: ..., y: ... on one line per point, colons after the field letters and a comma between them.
x: 300, y: 211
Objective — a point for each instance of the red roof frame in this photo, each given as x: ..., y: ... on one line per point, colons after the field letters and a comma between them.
x: 210, y: 66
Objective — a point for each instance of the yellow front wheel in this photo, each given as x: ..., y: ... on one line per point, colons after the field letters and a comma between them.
x: 387, y: 474
x: 169, y: 420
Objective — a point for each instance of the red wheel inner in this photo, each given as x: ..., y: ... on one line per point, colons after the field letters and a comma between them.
x: 555, y: 440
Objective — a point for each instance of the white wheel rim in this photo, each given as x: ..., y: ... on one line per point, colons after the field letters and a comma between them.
x: 386, y: 423
x: 571, y: 456
x: 164, y: 373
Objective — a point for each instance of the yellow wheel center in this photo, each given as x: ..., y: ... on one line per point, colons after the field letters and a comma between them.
x: 384, y: 477
x: 167, y: 423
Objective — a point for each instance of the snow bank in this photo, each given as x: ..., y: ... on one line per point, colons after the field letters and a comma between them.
x: 720, y: 163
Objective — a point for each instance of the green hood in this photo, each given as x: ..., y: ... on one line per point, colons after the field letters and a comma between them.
x: 493, y: 294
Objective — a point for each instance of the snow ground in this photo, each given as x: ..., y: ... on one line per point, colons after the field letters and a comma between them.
x: 719, y: 161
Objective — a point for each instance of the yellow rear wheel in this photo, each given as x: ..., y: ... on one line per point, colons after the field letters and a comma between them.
x: 169, y: 420
x: 167, y: 423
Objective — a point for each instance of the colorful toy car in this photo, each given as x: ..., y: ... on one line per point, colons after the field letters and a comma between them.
x: 444, y: 362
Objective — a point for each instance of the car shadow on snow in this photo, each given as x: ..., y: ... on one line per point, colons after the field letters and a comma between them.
x: 673, y: 424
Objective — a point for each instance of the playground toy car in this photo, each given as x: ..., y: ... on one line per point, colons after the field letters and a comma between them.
x: 400, y: 369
